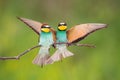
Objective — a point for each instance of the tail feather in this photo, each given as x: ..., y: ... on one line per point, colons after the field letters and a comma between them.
x: 59, y: 55
x: 41, y: 59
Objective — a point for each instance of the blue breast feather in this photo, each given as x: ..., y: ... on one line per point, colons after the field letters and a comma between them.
x: 61, y: 36
x: 46, y: 39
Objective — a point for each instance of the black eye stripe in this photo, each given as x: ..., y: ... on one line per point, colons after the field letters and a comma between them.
x: 45, y: 26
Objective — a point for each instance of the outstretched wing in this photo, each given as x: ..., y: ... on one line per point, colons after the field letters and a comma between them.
x: 36, y: 26
x: 54, y: 34
x: 79, y: 32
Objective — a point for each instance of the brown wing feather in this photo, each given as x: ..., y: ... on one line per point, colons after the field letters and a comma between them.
x: 54, y: 34
x: 79, y: 32
x: 36, y: 26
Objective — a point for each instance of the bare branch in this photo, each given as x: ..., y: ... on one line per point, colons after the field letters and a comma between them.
x: 85, y: 45
x: 77, y: 44
x: 7, y: 58
x: 28, y: 50
x: 19, y: 55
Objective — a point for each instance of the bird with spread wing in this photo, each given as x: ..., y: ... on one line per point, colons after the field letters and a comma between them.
x: 67, y: 37
x: 47, y: 39
x: 62, y: 37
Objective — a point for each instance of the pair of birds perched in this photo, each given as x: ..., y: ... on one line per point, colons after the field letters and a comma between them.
x: 60, y: 39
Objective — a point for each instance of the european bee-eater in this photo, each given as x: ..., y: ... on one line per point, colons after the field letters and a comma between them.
x: 46, y: 39
x: 62, y: 51
x: 71, y: 36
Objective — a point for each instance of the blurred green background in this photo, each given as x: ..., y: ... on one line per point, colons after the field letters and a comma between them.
x: 100, y: 63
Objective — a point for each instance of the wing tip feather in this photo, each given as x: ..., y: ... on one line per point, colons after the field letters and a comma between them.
x: 101, y: 24
x: 24, y: 20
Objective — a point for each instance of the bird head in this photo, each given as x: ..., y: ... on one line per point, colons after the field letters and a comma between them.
x: 45, y: 28
x: 62, y: 26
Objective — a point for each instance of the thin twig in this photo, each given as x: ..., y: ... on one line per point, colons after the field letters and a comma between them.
x: 77, y: 44
x: 26, y: 51
x: 7, y: 58
x: 19, y: 55
x: 85, y: 45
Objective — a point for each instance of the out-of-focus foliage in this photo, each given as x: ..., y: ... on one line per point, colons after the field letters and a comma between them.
x: 100, y: 63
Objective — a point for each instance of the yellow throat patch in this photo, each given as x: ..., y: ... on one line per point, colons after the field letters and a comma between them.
x: 45, y: 30
x: 62, y: 27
